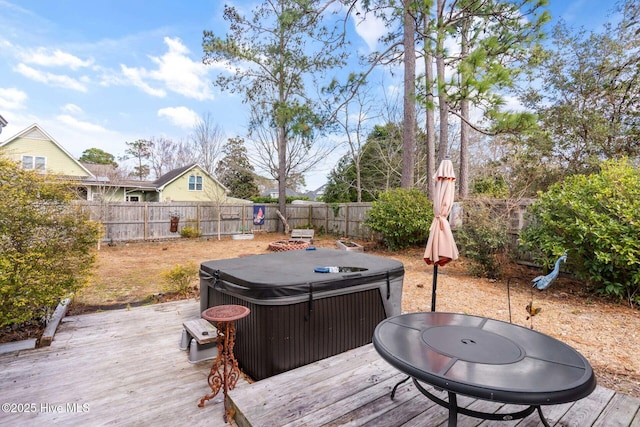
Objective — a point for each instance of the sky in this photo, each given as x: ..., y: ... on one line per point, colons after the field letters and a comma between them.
x: 101, y: 73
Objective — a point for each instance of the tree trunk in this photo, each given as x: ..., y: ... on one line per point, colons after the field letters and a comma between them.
x: 358, y: 179
x: 463, y: 177
x: 282, y: 175
x: 431, y: 123
x: 443, y: 103
x: 409, y: 122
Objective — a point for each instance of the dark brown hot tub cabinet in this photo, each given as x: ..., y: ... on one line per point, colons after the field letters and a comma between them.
x: 298, y: 315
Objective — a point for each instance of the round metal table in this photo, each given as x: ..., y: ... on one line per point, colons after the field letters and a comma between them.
x: 486, y: 359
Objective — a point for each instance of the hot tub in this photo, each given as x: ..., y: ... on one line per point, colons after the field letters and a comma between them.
x: 298, y: 315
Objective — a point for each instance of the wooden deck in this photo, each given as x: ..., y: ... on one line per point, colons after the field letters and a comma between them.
x: 354, y: 389
x: 121, y: 368
x: 125, y: 368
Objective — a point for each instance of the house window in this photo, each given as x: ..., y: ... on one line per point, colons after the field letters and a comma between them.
x: 133, y: 198
x: 27, y: 162
x: 195, y: 183
x: 40, y: 163
x: 34, y: 163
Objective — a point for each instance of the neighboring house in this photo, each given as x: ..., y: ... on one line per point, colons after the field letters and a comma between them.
x: 273, y: 193
x: 3, y: 123
x: 189, y: 183
x: 312, y: 195
x: 317, y: 194
x: 34, y: 149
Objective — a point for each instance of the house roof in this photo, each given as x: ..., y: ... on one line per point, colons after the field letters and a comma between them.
x: 288, y: 192
x: 319, y: 192
x: 3, y: 123
x: 100, y: 170
x: 174, y: 174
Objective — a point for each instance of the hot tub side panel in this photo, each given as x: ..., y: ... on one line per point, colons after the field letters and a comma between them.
x: 278, y: 338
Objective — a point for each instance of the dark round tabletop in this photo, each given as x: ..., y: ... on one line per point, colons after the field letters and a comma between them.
x: 484, y: 358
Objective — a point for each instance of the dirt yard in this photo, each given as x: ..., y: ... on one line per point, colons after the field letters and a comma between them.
x: 607, y: 334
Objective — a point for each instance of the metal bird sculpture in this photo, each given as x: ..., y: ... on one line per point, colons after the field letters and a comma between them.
x: 543, y: 282
x: 532, y: 310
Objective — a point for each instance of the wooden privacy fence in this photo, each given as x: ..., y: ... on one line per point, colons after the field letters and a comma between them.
x: 133, y: 221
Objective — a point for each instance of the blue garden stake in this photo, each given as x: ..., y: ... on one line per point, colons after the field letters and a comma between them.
x: 543, y: 282
x: 540, y: 282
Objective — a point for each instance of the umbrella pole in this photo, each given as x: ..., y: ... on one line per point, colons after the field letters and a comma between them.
x: 433, y: 287
x: 433, y: 308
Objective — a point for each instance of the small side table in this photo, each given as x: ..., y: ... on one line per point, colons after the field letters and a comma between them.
x: 224, y: 372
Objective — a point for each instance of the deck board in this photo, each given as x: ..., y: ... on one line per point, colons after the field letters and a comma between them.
x: 126, y: 366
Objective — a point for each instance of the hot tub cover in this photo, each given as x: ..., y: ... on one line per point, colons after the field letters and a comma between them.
x: 285, y: 277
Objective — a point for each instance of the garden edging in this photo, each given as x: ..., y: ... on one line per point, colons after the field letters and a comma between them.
x: 47, y: 335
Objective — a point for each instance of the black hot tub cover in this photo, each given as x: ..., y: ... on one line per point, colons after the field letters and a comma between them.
x: 285, y: 277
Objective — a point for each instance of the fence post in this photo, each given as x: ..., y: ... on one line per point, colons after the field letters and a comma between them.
x: 326, y: 218
x: 145, y: 216
x: 199, y: 226
x: 346, y: 220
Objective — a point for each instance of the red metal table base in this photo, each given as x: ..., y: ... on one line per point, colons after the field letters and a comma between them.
x: 224, y: 372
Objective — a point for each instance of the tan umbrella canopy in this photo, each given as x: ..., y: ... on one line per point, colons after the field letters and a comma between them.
x: 441, y: 247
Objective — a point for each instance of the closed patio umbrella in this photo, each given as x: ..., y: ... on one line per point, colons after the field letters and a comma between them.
x: 441, y: 247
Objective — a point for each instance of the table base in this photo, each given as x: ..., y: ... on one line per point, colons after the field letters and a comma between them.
x: 224, y: 371
x: 454, y: 410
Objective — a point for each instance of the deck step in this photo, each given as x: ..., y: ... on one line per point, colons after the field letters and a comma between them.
x: 200, y: 337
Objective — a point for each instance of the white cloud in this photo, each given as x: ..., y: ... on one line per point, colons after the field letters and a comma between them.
x: 79, y: 125
x: 5, y: 44
x: 180, y: 73
x: 513, y: 103
x: 57, y: 58
x: 180, y: 116
x: 52, y: 79
x: 12, y: 98
x: 72, y: 109
x: 136, y: 77
x: 175, y: 70
x: 368, y: 27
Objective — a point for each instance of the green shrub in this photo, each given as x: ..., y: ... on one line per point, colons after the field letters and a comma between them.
x: 402, y: 217
x: 190, y: 232
x: 483, y: 239
x: 490, y: 186
x: 47, y: 245
x: 179, y: 278
x: 596, y: 219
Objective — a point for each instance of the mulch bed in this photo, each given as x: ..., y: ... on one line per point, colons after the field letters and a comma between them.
x: 24, y: 331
